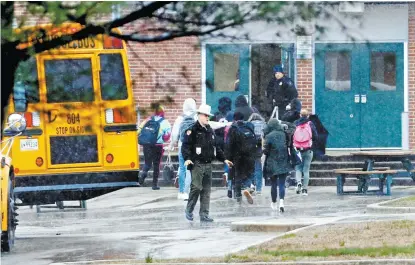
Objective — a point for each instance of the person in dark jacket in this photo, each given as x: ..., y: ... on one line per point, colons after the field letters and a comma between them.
x: 241, y: 105
x: 281, y: 90
x: 199, y: 148
x: 303, y: 169
x: 292, y: 112
x: 276, y: 164
x: 244, y: 162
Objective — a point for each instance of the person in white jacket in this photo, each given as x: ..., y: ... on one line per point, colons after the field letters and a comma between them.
x: 189, y: 110
x: 184, y: 177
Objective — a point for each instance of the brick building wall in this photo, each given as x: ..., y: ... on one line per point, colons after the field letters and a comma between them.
x: 411, y: 73
x: 171, y: 68
x: 305, y: 82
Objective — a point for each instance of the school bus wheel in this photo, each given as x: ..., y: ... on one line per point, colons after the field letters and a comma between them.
x: 7, y: 237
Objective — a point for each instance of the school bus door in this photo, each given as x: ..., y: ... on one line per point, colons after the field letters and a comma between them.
x: 72, y: 110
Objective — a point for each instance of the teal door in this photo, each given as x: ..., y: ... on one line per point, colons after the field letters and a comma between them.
x: 227, y: 72
x: 359, y: 94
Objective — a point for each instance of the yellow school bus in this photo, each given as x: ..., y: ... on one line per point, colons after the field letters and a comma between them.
x: 81, y: 139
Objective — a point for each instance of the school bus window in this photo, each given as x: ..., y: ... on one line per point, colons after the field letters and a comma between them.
x: 69, y: 80
x: 26, y: 85
x: 112, y: 77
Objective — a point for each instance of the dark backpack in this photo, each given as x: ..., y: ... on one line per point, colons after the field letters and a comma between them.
x: 246, y: 138
x: 149, y: 133
x: 187, y: 124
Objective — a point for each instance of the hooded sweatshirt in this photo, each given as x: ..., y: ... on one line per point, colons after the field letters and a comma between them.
x: 189, y: 109
x: 275, y: 149
x: 241, y: 105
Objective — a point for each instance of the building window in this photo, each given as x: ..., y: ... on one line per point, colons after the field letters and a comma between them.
x: 337, y: 71
x: 226, y: 72
x: 383, y: 71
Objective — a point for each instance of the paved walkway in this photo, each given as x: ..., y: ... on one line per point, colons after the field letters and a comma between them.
x: 135, y: 222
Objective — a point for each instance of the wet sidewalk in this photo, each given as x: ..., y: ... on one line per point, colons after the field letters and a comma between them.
x: 137, y: 222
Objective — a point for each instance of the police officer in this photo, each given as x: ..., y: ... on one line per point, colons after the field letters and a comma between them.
x: 199, y: 148
x: 281, y: 90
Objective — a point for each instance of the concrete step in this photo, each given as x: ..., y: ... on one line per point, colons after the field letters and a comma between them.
x: 321, y: 172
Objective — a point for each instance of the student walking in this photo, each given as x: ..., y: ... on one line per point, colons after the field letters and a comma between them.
x: 304, y: 135
x: 181, y: 124
x: 276, y: 162
x: 240, y: 148
x: 259, y: 126
x: 153, y: 133
x: 199, y: 149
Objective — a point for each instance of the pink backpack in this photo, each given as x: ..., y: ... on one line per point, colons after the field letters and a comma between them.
x: 303, y: 136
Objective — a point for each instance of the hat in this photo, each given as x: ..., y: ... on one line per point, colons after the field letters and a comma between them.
x: 278, y: 69
x: 205, y: 109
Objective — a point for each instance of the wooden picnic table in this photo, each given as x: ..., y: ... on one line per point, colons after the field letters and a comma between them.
x: 369, y: 171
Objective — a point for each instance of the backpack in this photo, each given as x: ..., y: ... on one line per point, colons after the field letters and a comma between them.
x: 246, y: 138
x: 149, y: 133
x: 303, y: 136
x: 187, y: 124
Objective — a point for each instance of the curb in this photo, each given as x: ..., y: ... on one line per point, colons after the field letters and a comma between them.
x: 379, y: 208
x: 334, y: 262
x: 266, y: 227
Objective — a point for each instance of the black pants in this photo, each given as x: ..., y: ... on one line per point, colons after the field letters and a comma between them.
x: 152, y: 156
x: 244, y: 168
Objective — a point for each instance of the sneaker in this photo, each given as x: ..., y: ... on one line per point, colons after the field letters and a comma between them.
x: 229, y: 194
x: 258, y: 193
x: 298, y: 190
x: 141, y: 178
x: 180, y: 196
x: 239, y: 199
x: 185, y: 196
x: 274, y: 206
x: 282, y: 205
x: 155, y: 188
x: 189, y: 216
x: 305, y: 192
x: 206, y: 219
x: 225, y: 179
x: 248, y: 196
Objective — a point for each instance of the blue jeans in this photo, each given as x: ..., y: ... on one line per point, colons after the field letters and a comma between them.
x: 258, y: 174
x: 182, y: 172
x: 278, y: 181
x: 304, y: 168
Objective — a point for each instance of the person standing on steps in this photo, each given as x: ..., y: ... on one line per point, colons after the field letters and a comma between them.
x: 281, y: 90
x: 199, y: 149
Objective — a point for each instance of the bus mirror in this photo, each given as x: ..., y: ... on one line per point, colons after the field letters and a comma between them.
x: 16, y: 123
x: 19, y: 97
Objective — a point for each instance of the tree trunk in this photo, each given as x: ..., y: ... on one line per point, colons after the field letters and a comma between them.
x: 9, y: 63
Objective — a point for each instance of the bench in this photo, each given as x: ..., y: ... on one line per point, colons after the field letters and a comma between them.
x: 383, y: 174
x: 359, y: 169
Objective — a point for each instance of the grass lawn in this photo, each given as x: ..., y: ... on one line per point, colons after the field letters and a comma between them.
x: 383, y: 239
x: 404, y: 202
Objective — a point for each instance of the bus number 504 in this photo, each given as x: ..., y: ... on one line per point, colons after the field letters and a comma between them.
x: 73, y: 118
